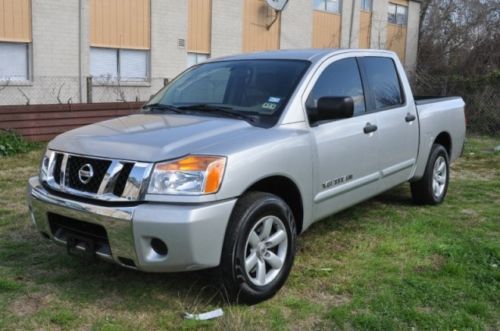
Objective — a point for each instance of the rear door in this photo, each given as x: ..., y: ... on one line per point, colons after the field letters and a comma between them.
x: 396, y: 119
x: 346, y: 169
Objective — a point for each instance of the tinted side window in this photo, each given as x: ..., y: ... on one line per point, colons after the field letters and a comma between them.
x: 383, y: 81
x: 340, y: 79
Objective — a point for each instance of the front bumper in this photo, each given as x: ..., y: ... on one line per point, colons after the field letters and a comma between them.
x: 193, y: 233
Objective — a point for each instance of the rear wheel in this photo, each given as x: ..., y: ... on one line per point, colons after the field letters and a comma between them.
x: 432, y: 187
x: 259, y: 248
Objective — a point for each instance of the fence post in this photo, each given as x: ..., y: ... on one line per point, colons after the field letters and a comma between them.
x: 89, y: 89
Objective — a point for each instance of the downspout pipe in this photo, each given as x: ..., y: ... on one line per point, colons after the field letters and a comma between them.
x: 352, y: 23
x: 80, y: 30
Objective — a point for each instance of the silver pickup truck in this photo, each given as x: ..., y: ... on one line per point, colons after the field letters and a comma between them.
x: 229, y: 163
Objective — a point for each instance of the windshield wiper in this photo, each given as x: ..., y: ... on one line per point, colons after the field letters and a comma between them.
x: 218, y: 110
x: 162, y: 107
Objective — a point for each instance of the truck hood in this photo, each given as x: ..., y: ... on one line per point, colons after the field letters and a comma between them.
x: 151, y: 137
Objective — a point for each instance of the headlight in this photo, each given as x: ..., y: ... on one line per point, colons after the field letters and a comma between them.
x: 194, y: 174
x: 45, y: 171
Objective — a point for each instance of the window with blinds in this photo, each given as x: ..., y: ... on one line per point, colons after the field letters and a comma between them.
x: 120, y: 39
x: 15, y: 40
x: 108, y: 64
x: 13, y: 62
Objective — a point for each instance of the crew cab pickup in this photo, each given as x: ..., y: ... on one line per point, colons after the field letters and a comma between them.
x: 225, y: 166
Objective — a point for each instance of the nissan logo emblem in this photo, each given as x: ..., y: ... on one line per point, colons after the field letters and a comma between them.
x: 85, y: 173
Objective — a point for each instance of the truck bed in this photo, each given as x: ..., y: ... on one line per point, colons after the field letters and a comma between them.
x: 438, y: 115
x: 426, y: 99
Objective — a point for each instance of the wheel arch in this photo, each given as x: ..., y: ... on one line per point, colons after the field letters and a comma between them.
x: 286, y: 189
x: 444, y: 139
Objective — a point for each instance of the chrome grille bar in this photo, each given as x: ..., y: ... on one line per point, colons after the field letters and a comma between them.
x: 135, y: 182
x: 133, y: 190
x: 64, y: 165
x: 109, y: 181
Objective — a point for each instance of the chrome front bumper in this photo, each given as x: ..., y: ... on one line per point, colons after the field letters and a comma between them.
x: 193, y: 233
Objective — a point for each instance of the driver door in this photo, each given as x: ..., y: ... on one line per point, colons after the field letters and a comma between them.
x: 346, y: 169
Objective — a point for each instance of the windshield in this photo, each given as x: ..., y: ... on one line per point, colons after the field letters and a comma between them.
x: 256, y: 90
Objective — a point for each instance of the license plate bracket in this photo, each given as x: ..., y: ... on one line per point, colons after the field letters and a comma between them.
x: 73, y: 244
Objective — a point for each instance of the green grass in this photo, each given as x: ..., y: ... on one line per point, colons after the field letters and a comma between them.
x: 385, y: 264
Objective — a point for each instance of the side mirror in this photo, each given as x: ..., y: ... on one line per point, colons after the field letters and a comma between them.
x: 332, y: 108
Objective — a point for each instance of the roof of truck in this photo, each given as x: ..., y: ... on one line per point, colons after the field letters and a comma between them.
x: 309, y: 54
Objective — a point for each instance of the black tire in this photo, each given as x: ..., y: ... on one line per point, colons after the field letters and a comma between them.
x: 422, y: 190
x: 252, y: 210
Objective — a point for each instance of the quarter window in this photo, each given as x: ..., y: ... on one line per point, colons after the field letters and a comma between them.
x: 118, y: 64
x: 340, y: 79
x: 383, y: 81
x: 328, y: 5
x: 14, y: 62
x: 398, y: 14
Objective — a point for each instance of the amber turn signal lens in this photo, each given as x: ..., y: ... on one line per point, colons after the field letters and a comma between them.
x: 215, y: 172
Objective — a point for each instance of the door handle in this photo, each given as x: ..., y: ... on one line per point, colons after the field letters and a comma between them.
x: 410, y: 117
x: 369, y: 128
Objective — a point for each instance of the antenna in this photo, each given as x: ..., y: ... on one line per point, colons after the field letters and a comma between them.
x: 277, y: 5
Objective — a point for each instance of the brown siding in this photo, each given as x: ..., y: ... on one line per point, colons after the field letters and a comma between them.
x: 396, y: 39
x: 256, y: 37
x: 43, y: 122
x: 15, y: 20
x: 326, y: 29
x: 120, y: 23
x: 365, y: 19
x: 199, y: 26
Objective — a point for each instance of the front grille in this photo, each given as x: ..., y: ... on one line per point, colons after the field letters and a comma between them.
x: 110, y: 180
x: 57, y: 167
x: 75, y: 164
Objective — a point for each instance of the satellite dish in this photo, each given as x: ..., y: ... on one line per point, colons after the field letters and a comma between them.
x: 277, y: 5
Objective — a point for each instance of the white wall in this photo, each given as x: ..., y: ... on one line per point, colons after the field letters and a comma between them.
x: 227, y: 27
x: 296, y: 24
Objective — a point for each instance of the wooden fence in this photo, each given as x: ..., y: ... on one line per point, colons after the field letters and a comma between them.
x: 43, y: 122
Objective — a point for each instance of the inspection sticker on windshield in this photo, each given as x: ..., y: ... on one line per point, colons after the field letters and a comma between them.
x: 269, y: 106
x: 274, y: 99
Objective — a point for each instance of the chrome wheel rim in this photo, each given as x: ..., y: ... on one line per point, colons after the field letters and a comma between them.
x: 265, y: 250
x: 439, y: 177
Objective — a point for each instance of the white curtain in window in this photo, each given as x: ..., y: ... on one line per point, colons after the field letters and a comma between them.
x: 392, y: 13
x: 195, y: 58
x: 366, y: 5
x: 133, y: 65
x: 333, y: 6
x: 13, y: 62
x: 104, y: 63
x: 319, y: 4
x: 401, y: 15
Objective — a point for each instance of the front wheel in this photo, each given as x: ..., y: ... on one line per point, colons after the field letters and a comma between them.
x: 259, y: 248
x: 432, y: 187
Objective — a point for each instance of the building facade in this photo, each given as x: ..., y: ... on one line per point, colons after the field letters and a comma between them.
x: 71, y: 51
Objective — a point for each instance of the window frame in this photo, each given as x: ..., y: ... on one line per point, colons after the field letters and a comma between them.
x: 396, y: 6
x: 324, y: 10
x: 99, y: 80
x: 371, y: 104
x: 315, y: 80
x: 29, y: 66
